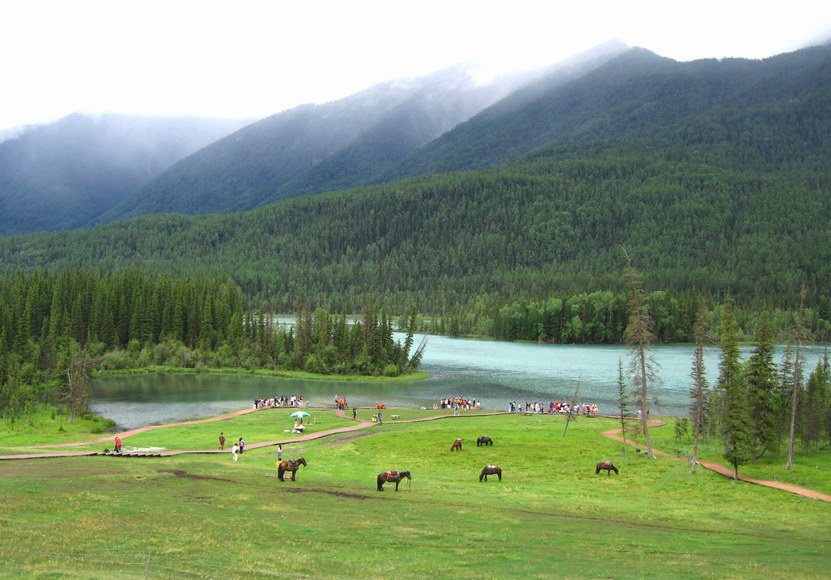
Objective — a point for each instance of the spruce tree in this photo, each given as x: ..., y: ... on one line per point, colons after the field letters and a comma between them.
x: 622, y: 401
x: 735, y: 419
x: 700, y: 389
x: 784, y: 392
x: 815, y: 409
x: 760, y: 377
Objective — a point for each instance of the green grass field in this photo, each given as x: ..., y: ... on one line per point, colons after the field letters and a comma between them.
x: 205, y: 516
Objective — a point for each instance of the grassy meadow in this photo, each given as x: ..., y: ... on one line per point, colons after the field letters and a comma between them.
x: 206, y: 516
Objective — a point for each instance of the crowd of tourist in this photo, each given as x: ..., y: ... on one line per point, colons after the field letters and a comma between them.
x: 279, y: 401
x: 554, y: 407
x: 455, y: 403
x: 459, y: 403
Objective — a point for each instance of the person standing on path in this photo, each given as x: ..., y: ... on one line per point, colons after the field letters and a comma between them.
x: 221, y: 441
x: 117, y: 444
x: 379, y: 416
x: 241, y: 445
x: 354, y: 412
x: 234, y: 449
x: 279, y: 452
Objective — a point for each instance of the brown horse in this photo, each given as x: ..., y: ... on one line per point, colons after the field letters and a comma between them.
x: 484, y: 440
x: 490, y: 470
x: 392, y: 477
x: 607, y: 465
x: 291, y: 465
x: 457, y: 444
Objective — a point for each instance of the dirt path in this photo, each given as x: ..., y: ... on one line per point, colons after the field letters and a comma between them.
x: 364, y: 424
x: 721, y: 469
x: 125, y: 434
x: 359, y: 424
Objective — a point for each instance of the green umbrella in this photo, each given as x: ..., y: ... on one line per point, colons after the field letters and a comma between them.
x: 299, y: 414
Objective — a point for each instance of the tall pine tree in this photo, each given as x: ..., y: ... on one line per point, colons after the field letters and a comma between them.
x: 735, y: 419
x: 760, y: 377
x: 700, y: 390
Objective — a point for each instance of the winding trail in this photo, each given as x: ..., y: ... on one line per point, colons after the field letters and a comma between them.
x: 721, y: 469
x: 359, y: 424
x: 364, y: 424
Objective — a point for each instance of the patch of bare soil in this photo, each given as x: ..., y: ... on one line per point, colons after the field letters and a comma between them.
x: 328, y: 492
x: 186, y: 475
x: 52, y: 469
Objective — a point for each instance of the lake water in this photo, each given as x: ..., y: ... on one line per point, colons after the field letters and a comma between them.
x: 492, y: 372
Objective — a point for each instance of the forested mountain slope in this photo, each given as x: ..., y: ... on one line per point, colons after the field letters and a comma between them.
x: 64, y: 174
x: 752, y: 114
x: 528, y: 231
x: 338, y: 145
x: 314, y: 148
x: 768, y: 115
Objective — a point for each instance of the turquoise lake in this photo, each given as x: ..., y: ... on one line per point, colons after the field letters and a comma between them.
x: 492, y: 372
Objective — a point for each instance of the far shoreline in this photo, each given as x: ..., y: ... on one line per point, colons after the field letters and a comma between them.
x: 278, y: 374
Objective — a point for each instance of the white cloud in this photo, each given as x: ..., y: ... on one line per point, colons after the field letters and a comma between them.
x: 257, y: 57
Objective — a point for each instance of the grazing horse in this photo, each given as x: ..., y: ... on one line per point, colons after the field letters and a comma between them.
x: 392, y: 477
x: 291, y: 465
x: 607, y: 465
x: 457, y: 444
x: 484, y: 440
x: 490, y: 470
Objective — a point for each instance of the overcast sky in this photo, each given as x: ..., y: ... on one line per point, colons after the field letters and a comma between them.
x: 250, y: 59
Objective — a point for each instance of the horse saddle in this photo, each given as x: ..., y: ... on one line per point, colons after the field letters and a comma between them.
x: 491, y: 467
x: 392, y: 474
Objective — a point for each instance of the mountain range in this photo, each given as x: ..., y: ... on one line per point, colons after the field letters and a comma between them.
x: 65, y: 174
x: 714, y: 173
x: 83, y: 169
x: 334, y: 146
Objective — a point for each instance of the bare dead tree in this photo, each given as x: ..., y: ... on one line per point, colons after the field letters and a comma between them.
x: 75, y: 393
x: 801, y: 335
x: 700, y: 389
x: 571, y: 408
x: 640, y: 336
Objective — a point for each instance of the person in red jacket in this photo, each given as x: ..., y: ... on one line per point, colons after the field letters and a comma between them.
x: 117, y: 444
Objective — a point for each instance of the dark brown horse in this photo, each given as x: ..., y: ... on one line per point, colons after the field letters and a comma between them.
x: 484, y: 440
x: 490, y: 470
x: 607, y: 465
x: 291, y: 465
x: 392, y: 477
x: 457, y: 444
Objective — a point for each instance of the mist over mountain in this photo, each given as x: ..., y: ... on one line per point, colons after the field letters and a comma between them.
x: 766, y: 114
x: 64, y: 174
x: 715, y: 174
x: 316, y: 148
x: 751, y: 115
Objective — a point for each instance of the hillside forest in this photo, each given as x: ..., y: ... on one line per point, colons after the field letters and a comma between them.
x: 709, y: 178
x: 526, y: 252
x: 62, y: 327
